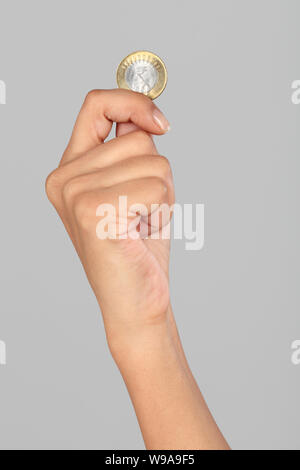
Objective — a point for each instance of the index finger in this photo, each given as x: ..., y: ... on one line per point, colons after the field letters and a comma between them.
x: 103, y: 107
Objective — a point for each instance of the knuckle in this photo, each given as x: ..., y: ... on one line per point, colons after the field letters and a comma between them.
x: 83, y: 211
x: 70, y: 189
x: 92, y: 96
x: 159, y: 187
x: 52, y: 185
x: 164, y: 166
x: 172, y: 197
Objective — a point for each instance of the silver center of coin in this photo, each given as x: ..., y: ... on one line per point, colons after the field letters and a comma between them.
x: 141, y: 76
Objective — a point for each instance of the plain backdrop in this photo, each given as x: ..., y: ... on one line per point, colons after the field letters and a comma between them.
x: 234, y: 146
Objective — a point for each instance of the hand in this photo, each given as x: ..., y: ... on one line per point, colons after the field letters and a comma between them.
x: 129, y: 276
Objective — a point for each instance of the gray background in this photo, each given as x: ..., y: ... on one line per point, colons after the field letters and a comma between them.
x: 234, y: 146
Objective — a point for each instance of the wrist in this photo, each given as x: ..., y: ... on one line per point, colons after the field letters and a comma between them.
x: 134, y: 343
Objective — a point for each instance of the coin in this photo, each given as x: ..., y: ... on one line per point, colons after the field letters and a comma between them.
x: 144, y: 72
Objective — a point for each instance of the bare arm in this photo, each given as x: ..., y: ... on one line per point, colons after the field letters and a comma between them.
x: 129, y: 274
x: 171, y: 411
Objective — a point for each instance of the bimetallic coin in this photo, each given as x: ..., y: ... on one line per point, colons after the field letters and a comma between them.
x: 143, y: 72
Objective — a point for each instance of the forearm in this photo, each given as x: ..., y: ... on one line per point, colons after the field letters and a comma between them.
x: 169, y: 406
x: 129, y: 275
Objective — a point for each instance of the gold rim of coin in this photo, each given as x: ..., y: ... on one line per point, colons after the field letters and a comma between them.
x: 154, y: 60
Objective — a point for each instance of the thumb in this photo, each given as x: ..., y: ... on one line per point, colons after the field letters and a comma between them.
x: 123, y: 128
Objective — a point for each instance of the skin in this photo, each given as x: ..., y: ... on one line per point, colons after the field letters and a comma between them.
x: 130, y: 277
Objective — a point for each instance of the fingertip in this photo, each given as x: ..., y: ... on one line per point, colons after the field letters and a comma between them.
x: 144, y: 103
x: 160, y: 120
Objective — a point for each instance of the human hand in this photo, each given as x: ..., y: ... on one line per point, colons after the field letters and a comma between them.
x: 129, y: 276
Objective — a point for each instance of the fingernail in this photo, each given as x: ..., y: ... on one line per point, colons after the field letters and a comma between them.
x: 160, y: 119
